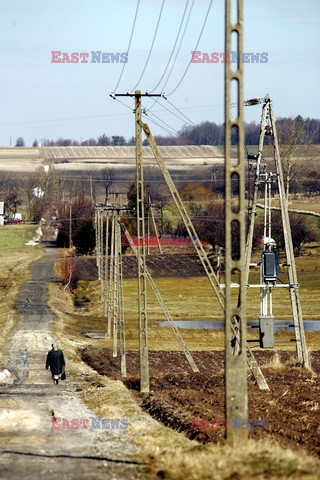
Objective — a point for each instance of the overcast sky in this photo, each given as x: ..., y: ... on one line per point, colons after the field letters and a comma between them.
x: 40, y: 99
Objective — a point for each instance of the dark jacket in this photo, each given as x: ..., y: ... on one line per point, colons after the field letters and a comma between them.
x: 55, y: 360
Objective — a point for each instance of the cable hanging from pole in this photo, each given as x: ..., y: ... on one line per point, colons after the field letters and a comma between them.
x: 195, y: 48
x: 177, y: 116
x: 128, y: 49
x: 174, y: 46
x: 185, y: 116
x: 176, y: 56
x: 151, y: 48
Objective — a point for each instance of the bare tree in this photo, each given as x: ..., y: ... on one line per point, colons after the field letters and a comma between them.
x: 107, y: 177
x: 295, y: 141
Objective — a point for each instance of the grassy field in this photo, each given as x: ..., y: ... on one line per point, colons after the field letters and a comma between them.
x: 15, y: 236
x: 15, y: 260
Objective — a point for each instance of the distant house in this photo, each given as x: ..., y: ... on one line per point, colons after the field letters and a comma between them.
x: 38, y: 192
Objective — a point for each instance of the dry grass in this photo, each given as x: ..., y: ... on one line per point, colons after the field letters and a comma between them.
x: 259, y: 460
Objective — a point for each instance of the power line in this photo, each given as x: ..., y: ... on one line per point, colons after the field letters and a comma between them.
x: 174, y: 46
x: 122, y: 103
x: 128, y: 49
x: 177, y: 53
x: 170, y: 111
x: 158, y: 124
x: 176, y: 108
x: 67, y: 120
x: 152, y: 44
x: 175, y: 131
x: 195, y: 48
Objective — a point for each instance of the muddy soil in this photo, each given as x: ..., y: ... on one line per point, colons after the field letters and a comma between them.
x: 289, y: 412
x: 173, y: 263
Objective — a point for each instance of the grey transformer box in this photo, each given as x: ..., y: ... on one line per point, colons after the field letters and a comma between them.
x: 266, y: 331
x: 270, y: 265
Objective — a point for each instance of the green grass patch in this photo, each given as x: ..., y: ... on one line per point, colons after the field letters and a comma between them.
x: 15, y: 236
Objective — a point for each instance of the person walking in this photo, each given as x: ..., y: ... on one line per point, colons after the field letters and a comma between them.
x: 56, y: 362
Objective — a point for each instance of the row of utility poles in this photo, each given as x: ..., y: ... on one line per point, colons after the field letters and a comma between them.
x: 238, y: 355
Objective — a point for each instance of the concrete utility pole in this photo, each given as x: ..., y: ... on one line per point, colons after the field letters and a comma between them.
x: 101, y: 256
x: 142, y: 280
x: 106, y: 266
x: 91, y: 189
x: 70, y: 227
x: 111, y: 269
x: 122, y: 336
x: 235, y: 315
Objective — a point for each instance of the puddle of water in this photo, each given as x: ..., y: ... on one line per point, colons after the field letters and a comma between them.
x: 96, y: 335
x: 279, y: 325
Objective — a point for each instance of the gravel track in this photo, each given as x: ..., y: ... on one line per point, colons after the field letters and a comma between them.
x: 29, y: 447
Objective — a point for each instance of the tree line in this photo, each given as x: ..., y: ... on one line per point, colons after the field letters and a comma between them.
x: 204, y: 133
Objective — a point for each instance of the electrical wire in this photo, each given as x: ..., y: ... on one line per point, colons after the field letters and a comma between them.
x: 151, y: 48
x: 195, y: 48
x: 177, y: 116
x: 174, y: 46
x: 159, y: 119
x: 124, y: 104
x: 128, y: 49
x: 176, y: 108
x: 158, y: 124
x: 66, y: 120
x: 177, y: 53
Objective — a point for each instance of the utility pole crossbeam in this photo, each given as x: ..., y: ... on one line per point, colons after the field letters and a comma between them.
x: 236, y: 367
x: 163, y: 306
x: 142, y: 280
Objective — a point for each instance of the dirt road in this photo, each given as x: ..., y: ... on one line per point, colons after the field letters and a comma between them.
x: 29, y: 447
